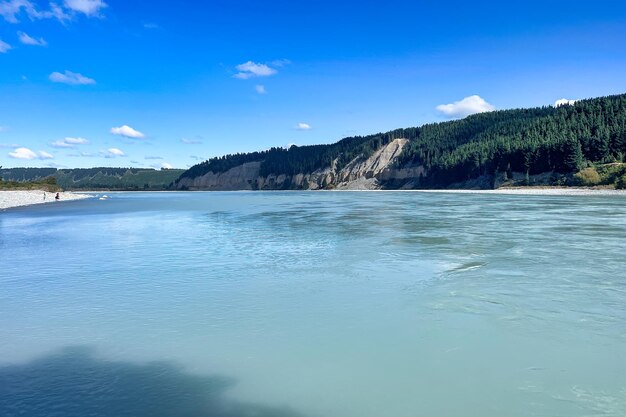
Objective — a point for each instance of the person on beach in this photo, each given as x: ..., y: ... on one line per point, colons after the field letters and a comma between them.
x: 57, y: 197
x: 44, y: 196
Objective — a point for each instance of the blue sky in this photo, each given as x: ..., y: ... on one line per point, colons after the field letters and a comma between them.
x: 126, y: 83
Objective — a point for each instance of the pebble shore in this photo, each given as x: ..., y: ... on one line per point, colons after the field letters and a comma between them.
x: 10, y: 199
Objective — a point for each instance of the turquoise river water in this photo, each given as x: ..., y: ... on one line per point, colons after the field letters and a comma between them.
x: 320, y: 304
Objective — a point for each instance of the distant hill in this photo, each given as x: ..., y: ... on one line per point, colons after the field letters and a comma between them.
x: 121, y: 179
x: 580, y: 144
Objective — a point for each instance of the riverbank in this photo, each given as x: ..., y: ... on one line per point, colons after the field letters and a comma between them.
x: 11, y: 199
x: 556, y: 191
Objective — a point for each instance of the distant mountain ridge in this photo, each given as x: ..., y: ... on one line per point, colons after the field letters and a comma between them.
x: 547, y: 145
x: 123, y: 179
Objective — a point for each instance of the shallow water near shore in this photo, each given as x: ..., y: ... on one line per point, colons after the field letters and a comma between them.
x: 351, y: 304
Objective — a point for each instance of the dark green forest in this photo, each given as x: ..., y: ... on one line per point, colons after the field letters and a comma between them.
x: 564, y: 139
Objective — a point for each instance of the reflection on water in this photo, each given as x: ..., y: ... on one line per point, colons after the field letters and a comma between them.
x: 75, y: 383
x: 332, y: 304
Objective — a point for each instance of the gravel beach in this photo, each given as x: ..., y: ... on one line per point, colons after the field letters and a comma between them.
x: 10, y: 199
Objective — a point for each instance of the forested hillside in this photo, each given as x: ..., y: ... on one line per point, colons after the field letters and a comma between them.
x: 559, y: 140
x: 97, y: 178
x: 563, y: 139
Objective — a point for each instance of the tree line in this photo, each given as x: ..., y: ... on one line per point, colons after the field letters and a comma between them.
x: 562, y: 139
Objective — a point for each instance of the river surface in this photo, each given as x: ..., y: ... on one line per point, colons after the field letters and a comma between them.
x: 320, y: 304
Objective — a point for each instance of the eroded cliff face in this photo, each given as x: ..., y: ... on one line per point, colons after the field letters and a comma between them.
x: 359, y: 174
x: 241, y: 177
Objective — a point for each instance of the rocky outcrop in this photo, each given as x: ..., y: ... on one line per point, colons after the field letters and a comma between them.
x: 359, y: 174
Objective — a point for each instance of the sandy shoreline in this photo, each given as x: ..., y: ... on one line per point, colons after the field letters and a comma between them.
x: 11, y: 199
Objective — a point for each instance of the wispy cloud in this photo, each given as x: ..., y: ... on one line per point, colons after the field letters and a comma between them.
x: 252, y: 69
x: 69, y: 142
x: 27, y: 154
x: 279, y: 63
x: 29, y: 40
x: 190, y: 141
x: 9, y: 145
x: 303, y: 126
x: 152, y: 157
x: 82, y: 155
x: 150, y: 25
x: 462, y: 108
x: 4, y: 47
x: 260, y: 89
x: 196, y: 158
x: 87, y: 7
x: 112, y: 153
x: 564, y: 102
x: 11, y: 9
x: 71, y: 78
x: 127, y: 132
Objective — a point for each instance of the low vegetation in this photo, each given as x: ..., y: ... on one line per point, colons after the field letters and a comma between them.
x: 47, y: 184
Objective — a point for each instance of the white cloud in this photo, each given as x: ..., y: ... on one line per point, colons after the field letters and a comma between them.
x: 9, y: 145
x: 150, y: 26
x: 564, y: 102
x: 28, y: 40
x: 77, y: 141
x: 252, y: 69
x: 25, y: 153
x: 4, y: 47
x: 162, y: 165
x: 71, y: 78
x: 303, y: 126
x: 61, y: 144
x: 55, y: 165
x: 152, y: 157
x: 127, y: 132
x: 11, y: 9
x: 69, y: 142
x: 190, y: 141
x: 87, y: 7
x: 260, y: 89
x: 469, y: 105
x: 112, y: 153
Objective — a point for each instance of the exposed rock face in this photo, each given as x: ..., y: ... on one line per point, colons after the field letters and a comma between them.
x: 358, y: 174
x: 242, y: 177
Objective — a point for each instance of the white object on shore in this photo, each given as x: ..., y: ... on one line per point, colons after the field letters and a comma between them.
x: 9, y: 199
